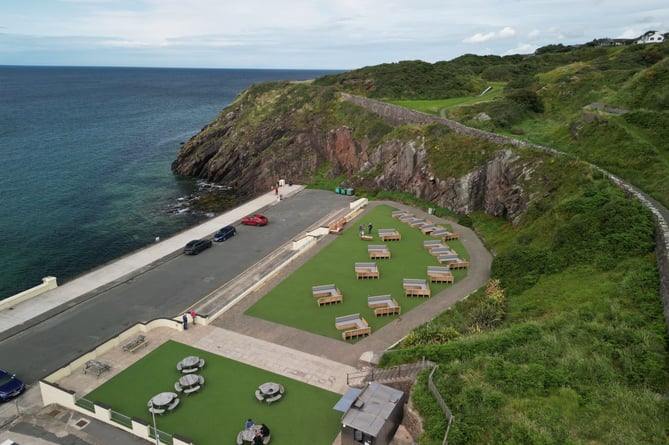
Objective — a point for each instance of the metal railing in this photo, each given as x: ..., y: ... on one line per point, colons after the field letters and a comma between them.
x: 125, y: 421
x: 407, y: 371
x: 440, y: 400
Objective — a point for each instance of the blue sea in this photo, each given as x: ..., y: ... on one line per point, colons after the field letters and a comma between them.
x: 85, y: 158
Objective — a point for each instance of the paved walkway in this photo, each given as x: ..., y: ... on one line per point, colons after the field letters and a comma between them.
x: 314, y: 359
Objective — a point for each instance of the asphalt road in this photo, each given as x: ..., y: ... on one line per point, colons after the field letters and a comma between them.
x: 164, y: 291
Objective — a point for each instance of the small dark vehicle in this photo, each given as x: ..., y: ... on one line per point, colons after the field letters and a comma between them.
x: 196, y: 246
x: 10, y: 386
x: 225, y: 233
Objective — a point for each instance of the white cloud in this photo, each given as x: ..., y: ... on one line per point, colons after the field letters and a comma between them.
x: 503, y: 33
x: 305, y: 33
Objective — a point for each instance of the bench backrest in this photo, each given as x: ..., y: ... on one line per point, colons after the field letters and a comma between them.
x: 346, y: 318
x: 365, y: 265
x: 323, y: 288
x: 379, y: 298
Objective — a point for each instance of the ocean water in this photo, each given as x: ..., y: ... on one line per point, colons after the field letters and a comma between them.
x: 85, y: 158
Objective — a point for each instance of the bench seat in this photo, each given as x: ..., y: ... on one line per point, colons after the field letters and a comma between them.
x: 414, y: 287
x: 384, y: 305
x: 332, y: 299
x: 326, y: 290
x: 366, y: 270
x: 378, y: 251
x: 353, y: 326
x: 389, y: 235
x: 440, y: 274
x: 135, y: 343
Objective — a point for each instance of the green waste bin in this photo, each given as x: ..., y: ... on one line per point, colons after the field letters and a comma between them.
x: 350, y: 192
x: 337, y: 190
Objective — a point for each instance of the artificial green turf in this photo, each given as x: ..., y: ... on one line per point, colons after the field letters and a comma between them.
x: 291, y: 302
x: 215, y: 414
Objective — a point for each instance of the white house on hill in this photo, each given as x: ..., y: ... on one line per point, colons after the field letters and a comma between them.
x: 651, y: 37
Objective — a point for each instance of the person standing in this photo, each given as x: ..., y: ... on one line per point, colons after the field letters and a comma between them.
x: 185, y: 321
x: 362, y: 230
x: 369, y: 229
x: 193, y: 314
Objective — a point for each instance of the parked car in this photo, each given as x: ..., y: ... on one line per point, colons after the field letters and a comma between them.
x: 196, y: 246
x: 225, y: 233
x: 10, y: 386
x: 255, y: 220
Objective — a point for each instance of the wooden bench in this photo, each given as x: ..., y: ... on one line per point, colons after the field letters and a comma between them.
x: 399, y: 213
x: 353, y: 326
x: 417, y: 223
x: 378, y: 252
x: 366, y: 270
x: 444, y: 250
x: 428, y: 228
x: 332, y: 299
x: 458, y: 263
x: 326, y: 290
x: 366, y: 237
x: 453, y: 261
x: 389, y: 235
x: 354, y: 333
x: 337, y: 227
x: 407, y: 218
x: 347, y: 321
x: 135, y: 343
x: 440, y: 274
x: 445, y: 234
x: 414, y: 287
x: 384, y: 305
x: 390, y: 310
x: 432, y: 244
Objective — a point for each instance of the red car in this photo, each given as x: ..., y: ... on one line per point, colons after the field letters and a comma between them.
x: 255, y: 220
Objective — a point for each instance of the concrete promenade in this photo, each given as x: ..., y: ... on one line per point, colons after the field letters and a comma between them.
x: 313, y: 359
x: 31, y: 311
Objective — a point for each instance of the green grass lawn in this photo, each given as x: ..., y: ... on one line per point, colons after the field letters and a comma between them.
x: 217, y: 413
x: 291, y: 303
x: 435, y: 106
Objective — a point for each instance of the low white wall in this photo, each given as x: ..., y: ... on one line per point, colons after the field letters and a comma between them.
x: 358, y: 203
x: 48, y: 283
x: 303, y: 243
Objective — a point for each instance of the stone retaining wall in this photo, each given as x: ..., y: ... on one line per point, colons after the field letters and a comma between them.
x: 396, y: 115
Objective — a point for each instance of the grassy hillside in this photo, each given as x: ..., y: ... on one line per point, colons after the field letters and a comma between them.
x: 548, y: 99
x: 572, y: 345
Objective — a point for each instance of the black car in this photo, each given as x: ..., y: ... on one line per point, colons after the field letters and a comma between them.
x: 196, y: 246
x: 225, y: 233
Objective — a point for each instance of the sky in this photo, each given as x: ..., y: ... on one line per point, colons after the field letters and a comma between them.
x: 304, y: 34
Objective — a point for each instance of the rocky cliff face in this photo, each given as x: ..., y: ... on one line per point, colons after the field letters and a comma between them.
x: 251, y: 158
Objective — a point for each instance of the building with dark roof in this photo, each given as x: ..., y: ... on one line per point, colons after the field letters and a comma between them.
x: 371, y: 415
